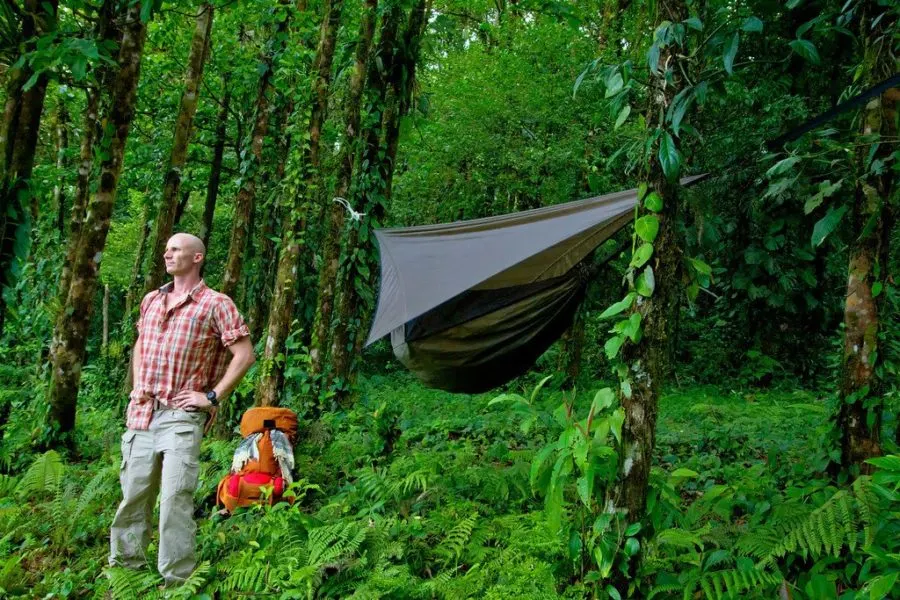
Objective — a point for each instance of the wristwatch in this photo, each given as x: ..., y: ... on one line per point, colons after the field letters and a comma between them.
x: 212, y: 397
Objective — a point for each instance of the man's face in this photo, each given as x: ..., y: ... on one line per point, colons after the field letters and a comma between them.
x: 180, y: 256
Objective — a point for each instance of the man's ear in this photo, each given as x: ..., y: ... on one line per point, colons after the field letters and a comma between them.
x: 198, y: 257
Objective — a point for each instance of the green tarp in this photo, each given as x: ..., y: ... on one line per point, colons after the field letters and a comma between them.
x: 472, y: 304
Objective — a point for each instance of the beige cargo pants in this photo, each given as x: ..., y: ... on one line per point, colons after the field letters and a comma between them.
x: 163, y: 460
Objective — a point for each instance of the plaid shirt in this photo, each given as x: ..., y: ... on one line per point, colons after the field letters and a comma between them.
x: 184, y: 348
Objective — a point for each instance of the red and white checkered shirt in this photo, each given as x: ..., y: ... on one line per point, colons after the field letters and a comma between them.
x: 184, y: 348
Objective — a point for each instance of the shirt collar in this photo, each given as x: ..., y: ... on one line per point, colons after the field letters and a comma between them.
x: 196, y: 292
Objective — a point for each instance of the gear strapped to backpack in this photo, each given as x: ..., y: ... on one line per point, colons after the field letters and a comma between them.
x: 264, y: 458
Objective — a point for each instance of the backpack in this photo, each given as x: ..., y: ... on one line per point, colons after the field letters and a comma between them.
x: 264, y: 458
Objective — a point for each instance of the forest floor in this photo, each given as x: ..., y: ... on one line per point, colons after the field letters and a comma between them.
x: 414, y: 493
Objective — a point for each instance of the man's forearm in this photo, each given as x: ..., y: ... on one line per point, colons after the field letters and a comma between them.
x: 136, y: 357
x: 237, y: 368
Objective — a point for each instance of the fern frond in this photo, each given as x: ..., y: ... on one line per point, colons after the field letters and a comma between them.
x: 453, y: 545
x: 44, y: 475
x: 128, y: 584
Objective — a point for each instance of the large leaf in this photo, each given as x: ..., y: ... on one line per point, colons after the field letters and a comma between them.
x: 827, y: 224
x: 647, y: 227
x: 623, y: 116
x: 669, y: 157
x: 642, y: 255
x: 730, y: 52
x: 614, y: 84
x: 645, y: 284
x: 618, y: 307
x: 806, y: 50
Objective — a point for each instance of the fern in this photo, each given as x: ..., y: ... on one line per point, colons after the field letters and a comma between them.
x: 128, y: 584
x: 43, y: 476
x: 192, y: 585
x: 453, y: 545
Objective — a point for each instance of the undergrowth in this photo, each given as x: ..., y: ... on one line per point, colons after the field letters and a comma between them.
x: 421, y: 494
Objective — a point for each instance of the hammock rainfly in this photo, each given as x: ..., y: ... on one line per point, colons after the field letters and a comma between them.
x: 471, y: 305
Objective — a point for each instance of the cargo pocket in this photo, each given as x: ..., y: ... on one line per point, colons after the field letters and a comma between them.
x: 187, y: 439
x: 127, y: 443
x: 188, y: 476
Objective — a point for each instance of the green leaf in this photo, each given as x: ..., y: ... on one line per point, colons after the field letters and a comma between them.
x: 669, y: 158
x: 612, y: 346
x: 653, y: 202
x: 752, y: 25
x: 623, y: 116
x: 826, y: 190
x: 684, y: 473
x: 537, y: 464
x: 653, y: 58
x: 614, y: 84
x: 877, y: 288
x: 615, y: 423
x: 826, y: 225
x: 641, y: 255
x: 700, y: 266
x: 730, y: 52
x: 680, y: 105
x: 782, y: 166
x: 641, y: 191
x: 613, y: 592
x: 792, y: 4
x: 694, y: 23
x: 647, y: 227
x: 806, y: 50
x: 632, y: 546
x: 632, y: 529
x: 882, y: 585
x: 630, y: 327
x: 507, y: 398
x: 645, y: 284
x: 603, y: 399
x: 618, y: 307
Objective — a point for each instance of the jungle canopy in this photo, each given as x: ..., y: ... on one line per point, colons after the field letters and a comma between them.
x: 471, y: 305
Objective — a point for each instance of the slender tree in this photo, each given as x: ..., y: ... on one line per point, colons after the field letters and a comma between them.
x: 859, y: 415
x: 351, y: 310
x: 648, y: 360
x: 62, y: 147
x: 331, y: 250
x: 215, y: 168
x: 281, y: 315
x: 246, y: 198
x: 168, y: 204
x: 18, y: 139
x: 107, y: 31
x: 70, y: 334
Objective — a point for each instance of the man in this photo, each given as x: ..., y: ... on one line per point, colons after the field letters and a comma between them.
x: 192, y: 350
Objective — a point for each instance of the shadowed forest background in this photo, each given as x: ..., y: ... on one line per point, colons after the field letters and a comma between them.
x: 720, y: 421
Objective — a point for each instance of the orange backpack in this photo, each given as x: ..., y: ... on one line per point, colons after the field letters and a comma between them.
x: 257, y: 463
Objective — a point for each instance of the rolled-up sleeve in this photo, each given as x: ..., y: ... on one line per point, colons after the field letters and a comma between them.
x: 228, y: 322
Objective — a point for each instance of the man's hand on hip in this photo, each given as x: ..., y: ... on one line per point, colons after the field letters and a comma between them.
x: 191, y: 401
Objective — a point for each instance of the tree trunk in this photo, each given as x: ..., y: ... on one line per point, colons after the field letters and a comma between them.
x: 70, y: 335
x: 137, y: 280
x: 105, y: 340
x: 243, y: 204
x: 107, y: 31
x: 62, y: 146
x: 859, y: 415
x: 648, y: 360
x: 18, y: 138
x: 168, y: 204
x: 571, y: 350
x: 215, y: 169
x: 351, y: 311
x: 331, y: 249
x: 271, y: 379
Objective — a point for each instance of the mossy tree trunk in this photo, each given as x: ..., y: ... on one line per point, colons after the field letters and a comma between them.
x: 271, y: 380
x: 246, y: 197
x: 351, y: 308
x: 215, y: 168
x: 168, y: 203
x: 859, y: 415
x: 648, y: 360
x: 107, y: 31
x: 331, y: 249
x: 18, y: 139
x: 70, y: 334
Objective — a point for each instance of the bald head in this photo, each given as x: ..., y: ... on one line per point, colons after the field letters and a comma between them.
x: 184, y: 253
x: 189, y: 242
